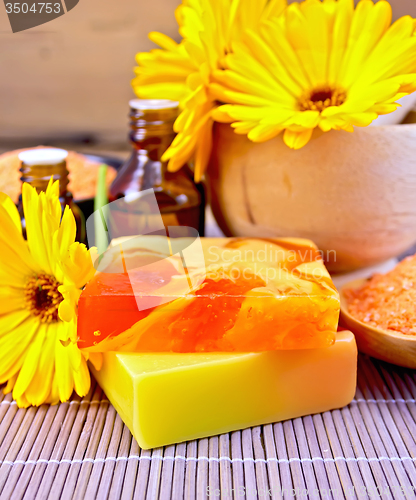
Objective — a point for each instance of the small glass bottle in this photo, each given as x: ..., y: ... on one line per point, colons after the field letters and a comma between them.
x: 180, y: 201
x: 37, y: 167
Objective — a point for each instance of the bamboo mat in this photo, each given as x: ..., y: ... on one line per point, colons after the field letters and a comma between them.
x: 81, y: 449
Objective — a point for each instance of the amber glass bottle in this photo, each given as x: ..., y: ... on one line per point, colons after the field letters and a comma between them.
x: 37, y: 167
x: 180, y: 201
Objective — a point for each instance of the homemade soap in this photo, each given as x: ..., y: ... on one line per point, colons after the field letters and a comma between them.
x: 167, y: 398
x: 154, y: 294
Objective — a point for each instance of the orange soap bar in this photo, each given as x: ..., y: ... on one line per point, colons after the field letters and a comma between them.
x: 238, y: 295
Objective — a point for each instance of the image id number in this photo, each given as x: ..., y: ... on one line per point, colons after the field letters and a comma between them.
x: 23, y: 8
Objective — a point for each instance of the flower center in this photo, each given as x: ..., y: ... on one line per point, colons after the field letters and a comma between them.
x: 322, y: 98
x: 43, y: 297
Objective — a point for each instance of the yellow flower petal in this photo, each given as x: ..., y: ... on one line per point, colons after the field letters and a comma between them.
x: 53, y: 397
x: 263, y: 132
x: 82, y: 380
x: 66, y: 233
x: 243, y: 128
x: 221, y: 115
x: 7, y: 203
x: 319, y: 64
x: 11, y: 299
x: 33, y: 217
x: 10, y: 384
x: 38, y: 389
x: 272, y: 9
x: 63, y: 371
x: 163, y: 41
x: 297, y: 140
x: 13, y: 268
x: 203, y: 151
x: 16, y: 255
x: 14, y: 343
x: 67, y: 308
x: 174, y: 92
x: 77, y: 265
x: 8, y: 322
x: 184, y: 71
x: 41, y: 362
x: 31, y: 361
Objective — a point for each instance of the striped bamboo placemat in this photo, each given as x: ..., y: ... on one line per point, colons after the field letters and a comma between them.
x: 81, y: 449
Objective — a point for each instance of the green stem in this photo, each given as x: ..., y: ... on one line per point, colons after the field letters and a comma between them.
x: 101, y: 200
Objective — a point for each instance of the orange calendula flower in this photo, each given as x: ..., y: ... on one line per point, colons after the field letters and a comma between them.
x: 183, y: 72
x: 40, y: 284
x: 323, y: 64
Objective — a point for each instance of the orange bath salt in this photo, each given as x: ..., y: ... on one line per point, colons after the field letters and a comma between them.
x: 388, y: 301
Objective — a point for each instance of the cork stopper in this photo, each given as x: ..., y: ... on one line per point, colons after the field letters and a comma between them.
x: 152, y: 104
x: 43, y: 156
x: 39, y: 165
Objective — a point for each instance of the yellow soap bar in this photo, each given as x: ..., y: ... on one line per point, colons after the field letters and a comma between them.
x: 167, y: 398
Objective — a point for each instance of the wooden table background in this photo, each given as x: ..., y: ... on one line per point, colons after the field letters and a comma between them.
x: 71, y: 77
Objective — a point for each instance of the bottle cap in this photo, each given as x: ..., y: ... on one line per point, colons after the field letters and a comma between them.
x: 154, y: 104
x: 43, y: 156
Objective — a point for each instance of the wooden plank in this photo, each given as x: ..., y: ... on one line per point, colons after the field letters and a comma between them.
x: 191, y: 467
x: 226, y: 479
x: 296, y: 467
x: 238, y: 468
x: 248, y: 462
x: 213, y: 467
x: 314, y: 451
x: 260, y: 462
x: 178, y: 487
x: 286, y: 485
x: 154, y: 474
x: 337, y: 472
x: 117, y: 483
x: 202, y: 469
x: 166, y: 481
x: 131, y: 472
x: 102, y: 476
x: 272, y: 463
x: 142, y: 477
x: 371, y: 470
x: 96, y: 442
x: 305, y: 457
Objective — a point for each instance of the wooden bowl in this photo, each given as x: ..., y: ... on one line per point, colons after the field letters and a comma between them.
x: 396, y: 348
x: 353, y: 194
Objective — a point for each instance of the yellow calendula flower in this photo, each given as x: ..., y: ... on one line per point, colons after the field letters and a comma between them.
x: 320, y: 64
x: 40, y: 284
x: 183, y: 72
